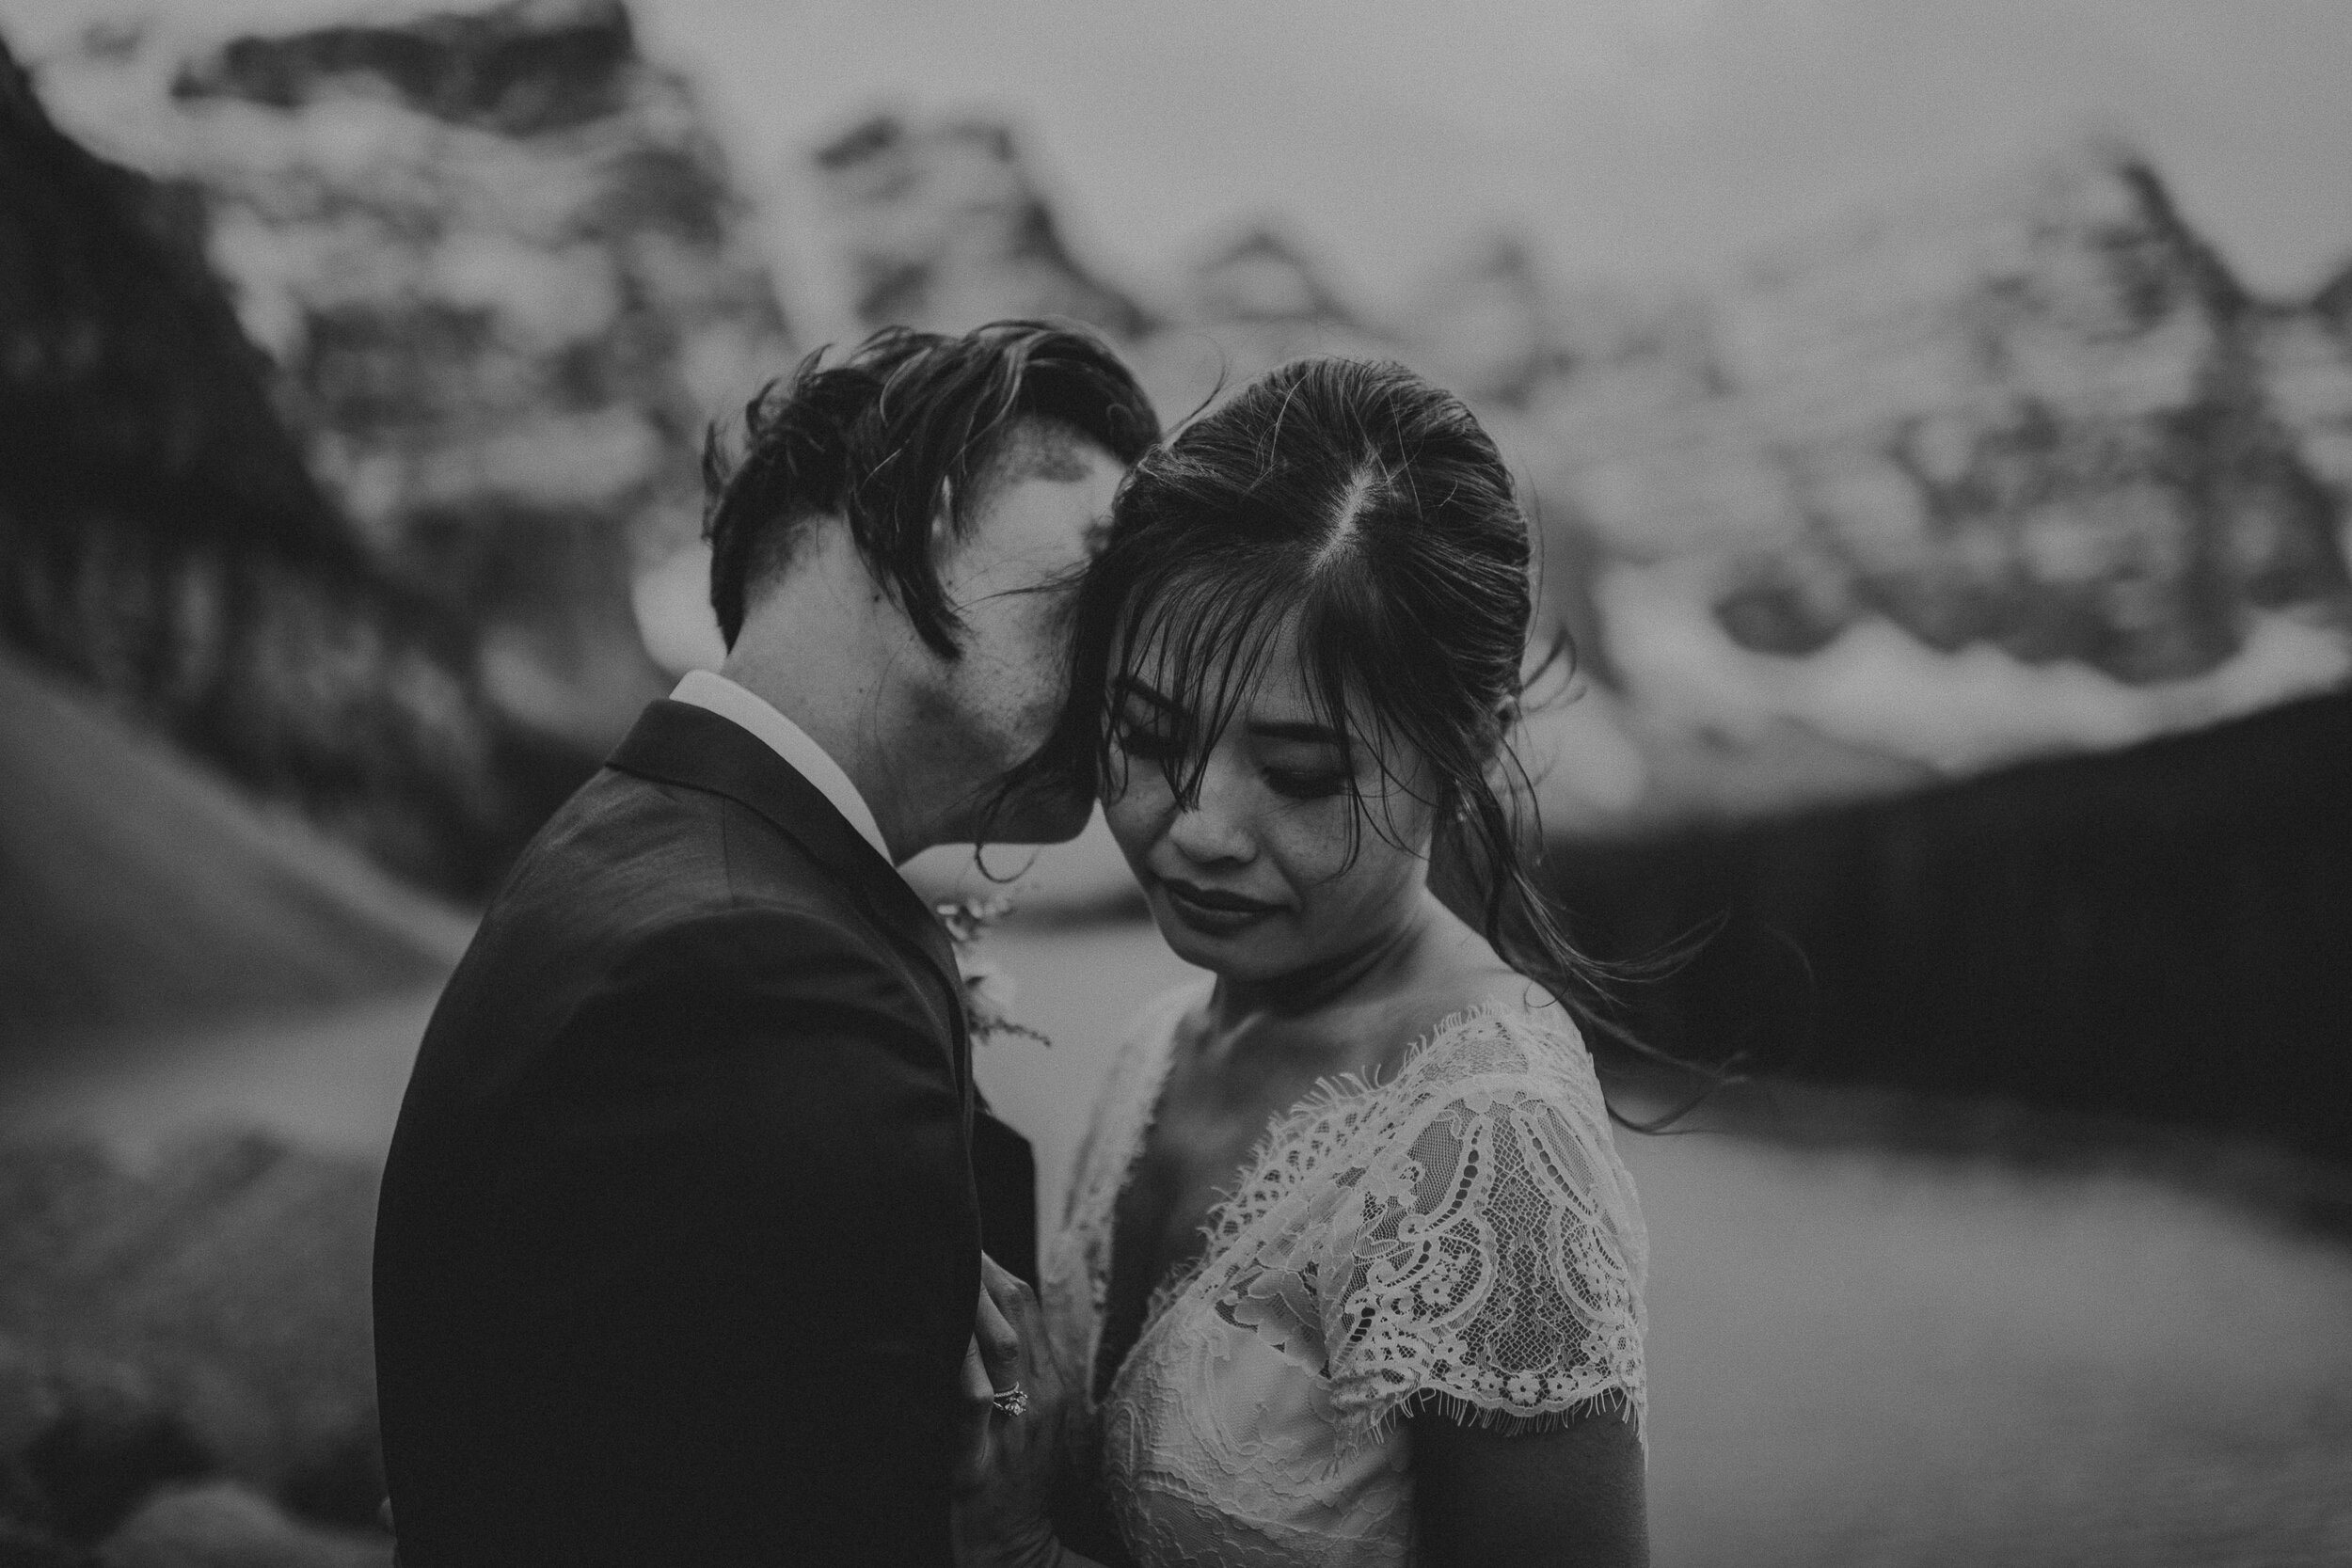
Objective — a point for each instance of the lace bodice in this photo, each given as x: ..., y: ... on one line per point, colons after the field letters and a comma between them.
x: 1461, y: 1234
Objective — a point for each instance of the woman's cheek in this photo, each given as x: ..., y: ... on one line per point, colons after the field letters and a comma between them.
x: 1310, y: 841
x: 1345, y: 864
x: 1136, y: 811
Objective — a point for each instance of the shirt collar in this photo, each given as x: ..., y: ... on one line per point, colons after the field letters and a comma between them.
x: 708, y: 690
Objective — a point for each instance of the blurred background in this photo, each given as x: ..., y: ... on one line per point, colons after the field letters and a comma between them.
x: 1938, y: 424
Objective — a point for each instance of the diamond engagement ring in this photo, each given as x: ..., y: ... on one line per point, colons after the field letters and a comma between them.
x: 1012, y: 1401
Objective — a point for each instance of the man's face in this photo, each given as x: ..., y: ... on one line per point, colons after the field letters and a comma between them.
x: 1040, y: 517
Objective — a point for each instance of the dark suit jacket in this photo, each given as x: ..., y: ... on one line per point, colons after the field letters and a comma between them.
x: 679, y: 1235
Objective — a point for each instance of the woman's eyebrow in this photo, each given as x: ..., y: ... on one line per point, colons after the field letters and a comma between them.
x: 1316, y: 733
x: 1270, y: 729
x: 1130, y: 687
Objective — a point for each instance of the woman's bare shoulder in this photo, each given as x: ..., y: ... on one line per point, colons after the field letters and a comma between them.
x: 1459, y: 982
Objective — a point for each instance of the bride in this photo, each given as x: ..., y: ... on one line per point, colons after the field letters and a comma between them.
x: 1350, y: 1272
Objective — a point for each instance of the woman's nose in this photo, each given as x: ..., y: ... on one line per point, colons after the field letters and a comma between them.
x: 1209, y: 829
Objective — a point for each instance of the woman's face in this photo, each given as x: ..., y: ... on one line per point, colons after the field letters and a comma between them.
x: 1271, y: 871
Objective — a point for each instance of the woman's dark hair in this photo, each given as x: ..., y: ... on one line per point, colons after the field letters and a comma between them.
x: 909, y: 424
x: 1367, y: 509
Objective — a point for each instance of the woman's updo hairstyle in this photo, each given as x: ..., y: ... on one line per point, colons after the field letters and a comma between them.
x: 1366, y: 507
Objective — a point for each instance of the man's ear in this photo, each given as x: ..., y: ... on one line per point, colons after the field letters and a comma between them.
x: 943, y: 516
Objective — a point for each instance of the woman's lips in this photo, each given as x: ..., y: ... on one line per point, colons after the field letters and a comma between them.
x: 1212, y: 909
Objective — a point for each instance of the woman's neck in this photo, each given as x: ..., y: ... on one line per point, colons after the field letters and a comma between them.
x: 1363, y: 969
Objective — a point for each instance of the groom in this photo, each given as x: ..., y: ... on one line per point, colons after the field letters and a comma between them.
x: 680, y: 1237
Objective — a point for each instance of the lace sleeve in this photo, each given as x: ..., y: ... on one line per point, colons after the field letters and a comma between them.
x: 1489, y: 1261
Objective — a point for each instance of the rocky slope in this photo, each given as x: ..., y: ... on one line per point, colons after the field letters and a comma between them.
x: 498, y: 270
x: 361, y: 386
x: 184, y: 1366
x: 162, y: 541
x: 146, y: 894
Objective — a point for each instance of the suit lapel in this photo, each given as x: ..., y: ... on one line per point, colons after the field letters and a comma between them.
x: 681, y: 744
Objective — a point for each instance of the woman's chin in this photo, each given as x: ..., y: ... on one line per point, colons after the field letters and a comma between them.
x: 1235, y: 956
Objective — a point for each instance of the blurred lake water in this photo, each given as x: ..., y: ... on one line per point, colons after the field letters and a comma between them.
x: 1860, y: 1355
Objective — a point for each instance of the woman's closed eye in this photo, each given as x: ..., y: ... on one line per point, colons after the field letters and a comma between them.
x: 1310, y: 777
x: 1300, y: 772
x: 1308, y: 786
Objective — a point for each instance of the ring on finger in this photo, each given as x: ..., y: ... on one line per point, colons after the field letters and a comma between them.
x: 1011, y: 1401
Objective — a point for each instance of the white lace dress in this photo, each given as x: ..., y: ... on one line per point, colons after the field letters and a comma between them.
x: 1462, y: 1233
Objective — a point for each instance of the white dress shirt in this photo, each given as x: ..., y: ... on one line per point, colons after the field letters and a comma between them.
x: 728, y: 700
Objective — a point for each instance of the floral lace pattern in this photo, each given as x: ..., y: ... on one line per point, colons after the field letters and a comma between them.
x: 1462, y: 1234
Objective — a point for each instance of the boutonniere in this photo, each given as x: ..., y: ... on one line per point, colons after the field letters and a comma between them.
x: 987, y: 990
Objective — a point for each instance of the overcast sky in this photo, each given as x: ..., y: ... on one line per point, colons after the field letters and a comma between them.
x: 1634, y: 138
x: 1631, y: 137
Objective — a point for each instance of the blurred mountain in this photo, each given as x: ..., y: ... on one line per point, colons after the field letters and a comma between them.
x: 162, y: 542
x: 499, y: 272
x: 944, y: 227
x: 1494, y: 327
x: 1263, y: 296
x: 938, y: 225
x: 1265, y: 278
x: 2046, y: 420
x: 2015, y: 470
x: 2304, y: 361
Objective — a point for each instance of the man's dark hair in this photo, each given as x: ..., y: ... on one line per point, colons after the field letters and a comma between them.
x: 909, y: 424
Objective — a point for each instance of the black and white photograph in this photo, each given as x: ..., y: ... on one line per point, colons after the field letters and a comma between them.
x: 1213, y: 784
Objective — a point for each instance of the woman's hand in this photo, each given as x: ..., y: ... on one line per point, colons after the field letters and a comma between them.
x: 1004, y: 1482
